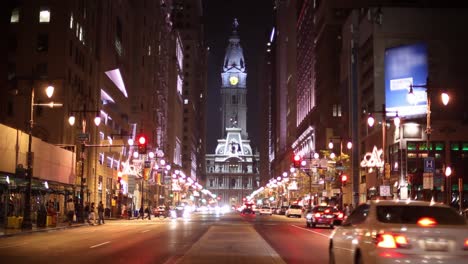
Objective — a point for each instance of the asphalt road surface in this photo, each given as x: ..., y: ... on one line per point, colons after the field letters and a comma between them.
x: 204, y: 238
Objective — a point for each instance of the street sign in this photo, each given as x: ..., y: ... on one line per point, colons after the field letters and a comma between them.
x: 385, y: 190
x: 428, y: 180
x: 83, y: 137
x: 429, y: 165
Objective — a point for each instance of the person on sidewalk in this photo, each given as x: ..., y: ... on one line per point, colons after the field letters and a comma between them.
x: 86, y: 213
x: 100, y: 213
x: 141, y: 213
x: 70, y: 211
x: 92, y: 214
x: 148, y: 212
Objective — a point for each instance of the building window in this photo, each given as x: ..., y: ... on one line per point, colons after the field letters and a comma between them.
x: 234, y: 99
x: 42, y: 43
x: 336, y: 110
x: 44, y: 15
x: 15, y: 16
x: 71, y: 21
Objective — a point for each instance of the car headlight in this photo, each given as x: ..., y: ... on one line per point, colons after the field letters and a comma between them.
x: 309, y: 216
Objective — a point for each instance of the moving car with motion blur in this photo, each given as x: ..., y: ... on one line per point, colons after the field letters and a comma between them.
x: 400, y: 232
x: 247, y: 212
x: 324, y: 215
x: 294, y: 210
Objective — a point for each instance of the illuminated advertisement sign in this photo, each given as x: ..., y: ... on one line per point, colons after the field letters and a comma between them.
x: 406, y: 65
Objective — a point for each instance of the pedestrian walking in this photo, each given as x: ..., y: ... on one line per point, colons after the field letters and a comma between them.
x: 141, y: 213
x: 86, y: 213
x: 101, y: 213
x: 92, y: 214
x: 148, y: 212
x: 70, y: 211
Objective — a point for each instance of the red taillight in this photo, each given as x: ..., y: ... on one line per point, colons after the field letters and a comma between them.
x: 391, y: 241
x: 317, y: 215
x: 427, y: 222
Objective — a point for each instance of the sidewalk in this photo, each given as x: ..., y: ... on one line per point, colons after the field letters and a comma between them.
x: 8, y: 232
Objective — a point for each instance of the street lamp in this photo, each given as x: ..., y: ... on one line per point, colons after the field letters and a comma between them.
x: 396, y: 122
x: 27, y: 224
x: 448, y: 172
x: 83, y: 138
x: 445, y: 98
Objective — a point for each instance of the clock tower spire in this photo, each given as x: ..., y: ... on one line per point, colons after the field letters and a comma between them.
x: 234, y: 89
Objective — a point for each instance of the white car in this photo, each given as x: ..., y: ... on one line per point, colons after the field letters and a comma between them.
x: 400, y: 232
x: 294, y: 210
x: 265, y: 210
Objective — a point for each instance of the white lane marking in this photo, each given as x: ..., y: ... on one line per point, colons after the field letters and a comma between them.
x: 98, y: 245
x: 14, y: 245
x: 311, y: 231
x: 144, y: 231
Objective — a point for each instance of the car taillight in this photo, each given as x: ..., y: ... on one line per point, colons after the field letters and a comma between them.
x: 392, y: 241
x: 427, y: 222
x: 317, y: 215
x: 340, y: 215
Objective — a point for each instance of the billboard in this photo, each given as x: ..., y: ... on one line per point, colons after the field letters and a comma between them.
x: 406, y: 65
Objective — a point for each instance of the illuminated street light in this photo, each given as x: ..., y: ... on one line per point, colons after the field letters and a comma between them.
x: 445, y: 98
x: 27, y: 224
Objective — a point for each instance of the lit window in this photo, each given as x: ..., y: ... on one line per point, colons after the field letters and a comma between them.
x: 185, y: 101
x: 71, y: 21
x: 337, y: 110
x: 14, y: 16
x: 44, y: 15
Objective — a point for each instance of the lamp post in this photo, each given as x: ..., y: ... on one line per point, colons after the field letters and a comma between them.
x: 448, y: 172
x: 83, y: 138
x: 370, y: 122
x: 445, y: 98
x: 349, y: 146
x: 27, y: 224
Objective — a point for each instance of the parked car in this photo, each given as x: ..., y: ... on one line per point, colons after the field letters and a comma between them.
x: 294, y: 210
x: 265, y: 210
x: 324, y: 215
x: 400, y: 232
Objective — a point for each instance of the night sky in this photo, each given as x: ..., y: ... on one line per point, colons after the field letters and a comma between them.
x: 255, y: 19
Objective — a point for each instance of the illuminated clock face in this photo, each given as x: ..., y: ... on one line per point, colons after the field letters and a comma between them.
x: 233, y: 80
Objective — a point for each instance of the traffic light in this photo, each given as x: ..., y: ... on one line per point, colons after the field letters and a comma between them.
x: 297, y: 161
x: 142, y: 144
x: 344, y: 179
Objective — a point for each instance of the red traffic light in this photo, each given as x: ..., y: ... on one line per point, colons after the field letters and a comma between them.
x: 297, y: 160
x: 142, y: 144
x: 344, y: 178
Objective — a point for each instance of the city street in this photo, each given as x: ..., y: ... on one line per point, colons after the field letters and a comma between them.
x: 205, y: 238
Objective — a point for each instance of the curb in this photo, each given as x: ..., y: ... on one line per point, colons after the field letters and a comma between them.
x: 42, y: 230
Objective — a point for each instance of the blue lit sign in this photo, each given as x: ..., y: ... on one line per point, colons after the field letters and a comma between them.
x: 406, y: 65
